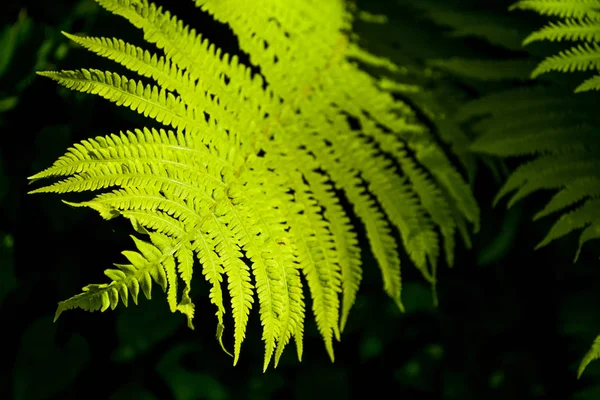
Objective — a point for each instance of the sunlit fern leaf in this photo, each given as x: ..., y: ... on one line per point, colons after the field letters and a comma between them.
x: 127, y: 280
x: 592, y: 354
x: 439, y: 106
x: 249, y: 167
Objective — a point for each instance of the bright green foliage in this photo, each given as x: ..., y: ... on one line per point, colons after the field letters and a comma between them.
x: 579, y: 21
x: 247, y: 165
x: 37, y: 354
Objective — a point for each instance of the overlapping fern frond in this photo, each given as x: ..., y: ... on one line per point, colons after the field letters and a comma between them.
x: 560, y: 134
x: 563, y: 135
x: 464, y: 21
x: 577, y: 21
x: 248, y: 164
x: 556, y: 134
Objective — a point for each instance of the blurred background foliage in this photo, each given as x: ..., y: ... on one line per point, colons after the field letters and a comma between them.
x: 511, y: 322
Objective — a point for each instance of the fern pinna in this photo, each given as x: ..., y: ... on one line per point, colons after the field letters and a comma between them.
x: 248, y: 165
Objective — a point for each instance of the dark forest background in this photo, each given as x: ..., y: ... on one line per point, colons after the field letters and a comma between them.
x: 511, y: 322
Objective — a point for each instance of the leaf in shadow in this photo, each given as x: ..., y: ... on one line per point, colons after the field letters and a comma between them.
x: 591, y: 393
x: 503, y: 241
x: 578, y: 315
x: 421, y: 370
x: 323, y: 382
x: 417, y: 297
x: 11, y: 37
x: 8, y: 281
x: 188, y: 385
x: 370, y: 346
x: 42, y: 368
x: 263, y: 385
x: 141, y: 327
x: 4, y: 182
x: 50, y: 143
x: 132, y: 391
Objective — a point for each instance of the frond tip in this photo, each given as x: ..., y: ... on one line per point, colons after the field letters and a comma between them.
x: 592, y: 354
x: 148, y: 265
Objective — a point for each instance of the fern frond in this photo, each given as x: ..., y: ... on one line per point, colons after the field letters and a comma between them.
x: 126, y: 280
x: 345, y: 243
x: 319, y: 262
x: 592, y: 83
x: 449, y: 187
x: 528, y: 100
x: 150, y: 65
x: 511, y: 137
x: 136, y: 59
x: 486, y: 70
x: 561, y: 8
x: 238, y: 277
x: 212, y: 269
x: 563, y: 135
x: 147, y: 100
x: 580, y: 218
x: 247, y: 179
x: 144, y: 146
x: 579, y: 58
x: 571, y: 193
x: 497, y: 29
x: 550, y: 172
x: 570, y: 29
x: 582, y: 24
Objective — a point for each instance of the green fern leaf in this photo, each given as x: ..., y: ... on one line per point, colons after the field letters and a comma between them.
x: 582, y: 23
x: 571, y: 29
x: 572, y: 193
x: 519, y: 69
x: 592, y: 83
x: 536, y: 136
x: 579, y: 58
x: 592, y: 354
x: 563, y: 135
x: 127, y: 279
x: 561, y: 8
x: 245, y: 175
x: 577, y: 219
x: 497, y: 29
